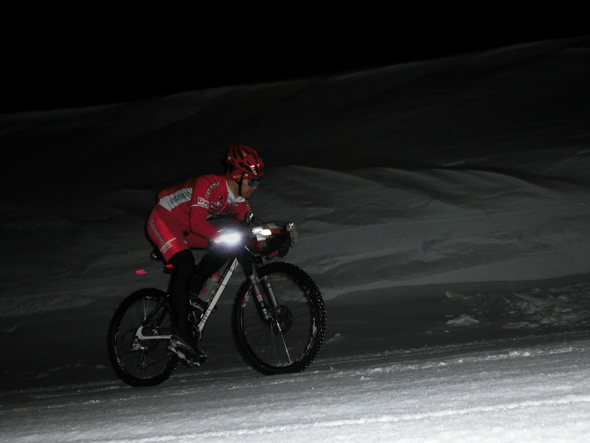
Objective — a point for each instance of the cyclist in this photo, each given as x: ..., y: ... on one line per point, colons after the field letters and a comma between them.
x: 178, y: 222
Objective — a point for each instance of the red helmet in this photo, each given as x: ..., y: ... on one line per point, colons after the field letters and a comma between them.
x: 246, y: 161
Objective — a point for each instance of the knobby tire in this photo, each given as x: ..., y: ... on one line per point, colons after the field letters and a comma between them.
x: 291, y: 340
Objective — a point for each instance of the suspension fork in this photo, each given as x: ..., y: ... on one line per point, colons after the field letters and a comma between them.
x: 258, y: 287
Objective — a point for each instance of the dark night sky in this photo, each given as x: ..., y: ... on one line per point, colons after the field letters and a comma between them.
x: 96, y: 53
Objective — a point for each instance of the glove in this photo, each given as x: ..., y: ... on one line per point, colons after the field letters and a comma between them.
x: 279, y: 245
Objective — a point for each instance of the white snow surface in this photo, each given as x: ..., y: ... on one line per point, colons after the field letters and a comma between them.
x: 443, y: 209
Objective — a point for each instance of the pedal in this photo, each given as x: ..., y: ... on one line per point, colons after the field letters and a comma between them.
x: 189, y: 364
x: 180, y: 348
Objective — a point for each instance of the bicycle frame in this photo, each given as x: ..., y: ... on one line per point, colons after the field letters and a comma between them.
x: 227, y: 275
x: 249, y: 270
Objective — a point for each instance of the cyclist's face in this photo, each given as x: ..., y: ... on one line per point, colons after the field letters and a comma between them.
x: 248, y: 190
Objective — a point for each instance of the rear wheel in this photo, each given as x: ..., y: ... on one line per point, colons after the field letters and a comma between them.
x: 142, y: 362
x: 290, y: 338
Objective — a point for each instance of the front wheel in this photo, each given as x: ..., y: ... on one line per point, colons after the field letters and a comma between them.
x: 142, y: 362
x: 288, y: 338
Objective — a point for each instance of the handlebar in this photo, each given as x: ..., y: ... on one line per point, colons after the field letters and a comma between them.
x: 259, y: 237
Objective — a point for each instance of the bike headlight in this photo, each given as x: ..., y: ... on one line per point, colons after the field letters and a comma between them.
x: 229, y: 238
x: 262, y: 231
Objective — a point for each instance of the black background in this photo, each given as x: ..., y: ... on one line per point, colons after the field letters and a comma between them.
x: 97, y: 53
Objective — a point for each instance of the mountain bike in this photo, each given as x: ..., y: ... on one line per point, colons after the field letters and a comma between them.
x: 278, y: 316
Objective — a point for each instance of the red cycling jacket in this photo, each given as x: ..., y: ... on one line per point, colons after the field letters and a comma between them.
x: 198, y: 199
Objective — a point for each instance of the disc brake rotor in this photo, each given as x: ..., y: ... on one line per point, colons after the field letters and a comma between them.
x: 282, y: 320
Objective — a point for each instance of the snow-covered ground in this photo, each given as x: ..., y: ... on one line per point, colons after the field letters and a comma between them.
x: 442, y: 208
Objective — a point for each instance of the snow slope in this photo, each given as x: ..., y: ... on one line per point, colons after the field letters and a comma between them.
x: 442, y: 208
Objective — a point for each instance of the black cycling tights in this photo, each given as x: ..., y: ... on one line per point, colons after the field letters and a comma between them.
x: 184, y: 269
